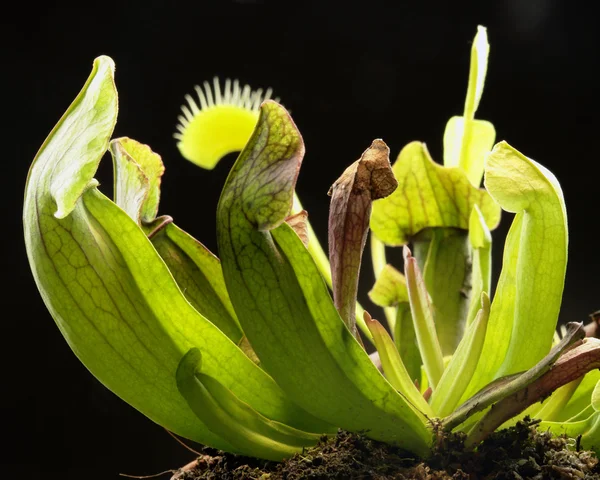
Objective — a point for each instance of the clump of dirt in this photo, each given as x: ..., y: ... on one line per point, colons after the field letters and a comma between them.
x: 516, y: 453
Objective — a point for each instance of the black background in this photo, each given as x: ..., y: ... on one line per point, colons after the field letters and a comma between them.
x: 348, y: 72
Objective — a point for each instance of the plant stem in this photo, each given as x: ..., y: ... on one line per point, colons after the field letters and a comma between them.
x: 379, y: 261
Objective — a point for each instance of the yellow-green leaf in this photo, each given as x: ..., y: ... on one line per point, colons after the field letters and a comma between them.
x: 428, y: 195
x: 525, y: 308
x: 390, y: 288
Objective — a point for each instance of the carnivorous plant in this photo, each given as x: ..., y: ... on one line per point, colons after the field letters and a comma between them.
x: 264, y: 349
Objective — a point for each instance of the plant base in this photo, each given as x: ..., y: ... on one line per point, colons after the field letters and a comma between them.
x: 518, y: 452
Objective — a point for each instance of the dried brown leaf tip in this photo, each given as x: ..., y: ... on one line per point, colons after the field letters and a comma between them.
x: 371, y: 173
x: 298, y: 222
x: 367, y: 179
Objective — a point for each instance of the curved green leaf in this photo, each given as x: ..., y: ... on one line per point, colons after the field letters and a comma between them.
x: 109, y: 292
x: 394, y: 368
x: 226, y: 415
x: 525, y: 308
x: 283, y: 303
x: 581, y: 398
x: 96, y: 106
x: 428, y: 195
x: 596, y: 397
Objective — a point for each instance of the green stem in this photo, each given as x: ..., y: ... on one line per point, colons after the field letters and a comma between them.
x: 379, y: 261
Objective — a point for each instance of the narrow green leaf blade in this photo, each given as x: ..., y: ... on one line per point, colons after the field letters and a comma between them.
x: 467, y: 140
x: 394, y: 368
x: 424, y: 325
x: 390, y: 290
x: 480, y: 52
x: 405, y: 339
x: 506, y: 386
x: 553, y: 406
x: 466, y: 143
x: 581, y: 398
x: 480, y: 239
x: 378, y: 260
x: 463, y: 363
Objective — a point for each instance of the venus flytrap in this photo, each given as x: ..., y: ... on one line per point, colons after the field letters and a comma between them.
x: 249, y: 352
x: 222, y: 123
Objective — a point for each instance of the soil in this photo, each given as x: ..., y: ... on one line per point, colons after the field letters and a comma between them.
x: 520, y: 452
